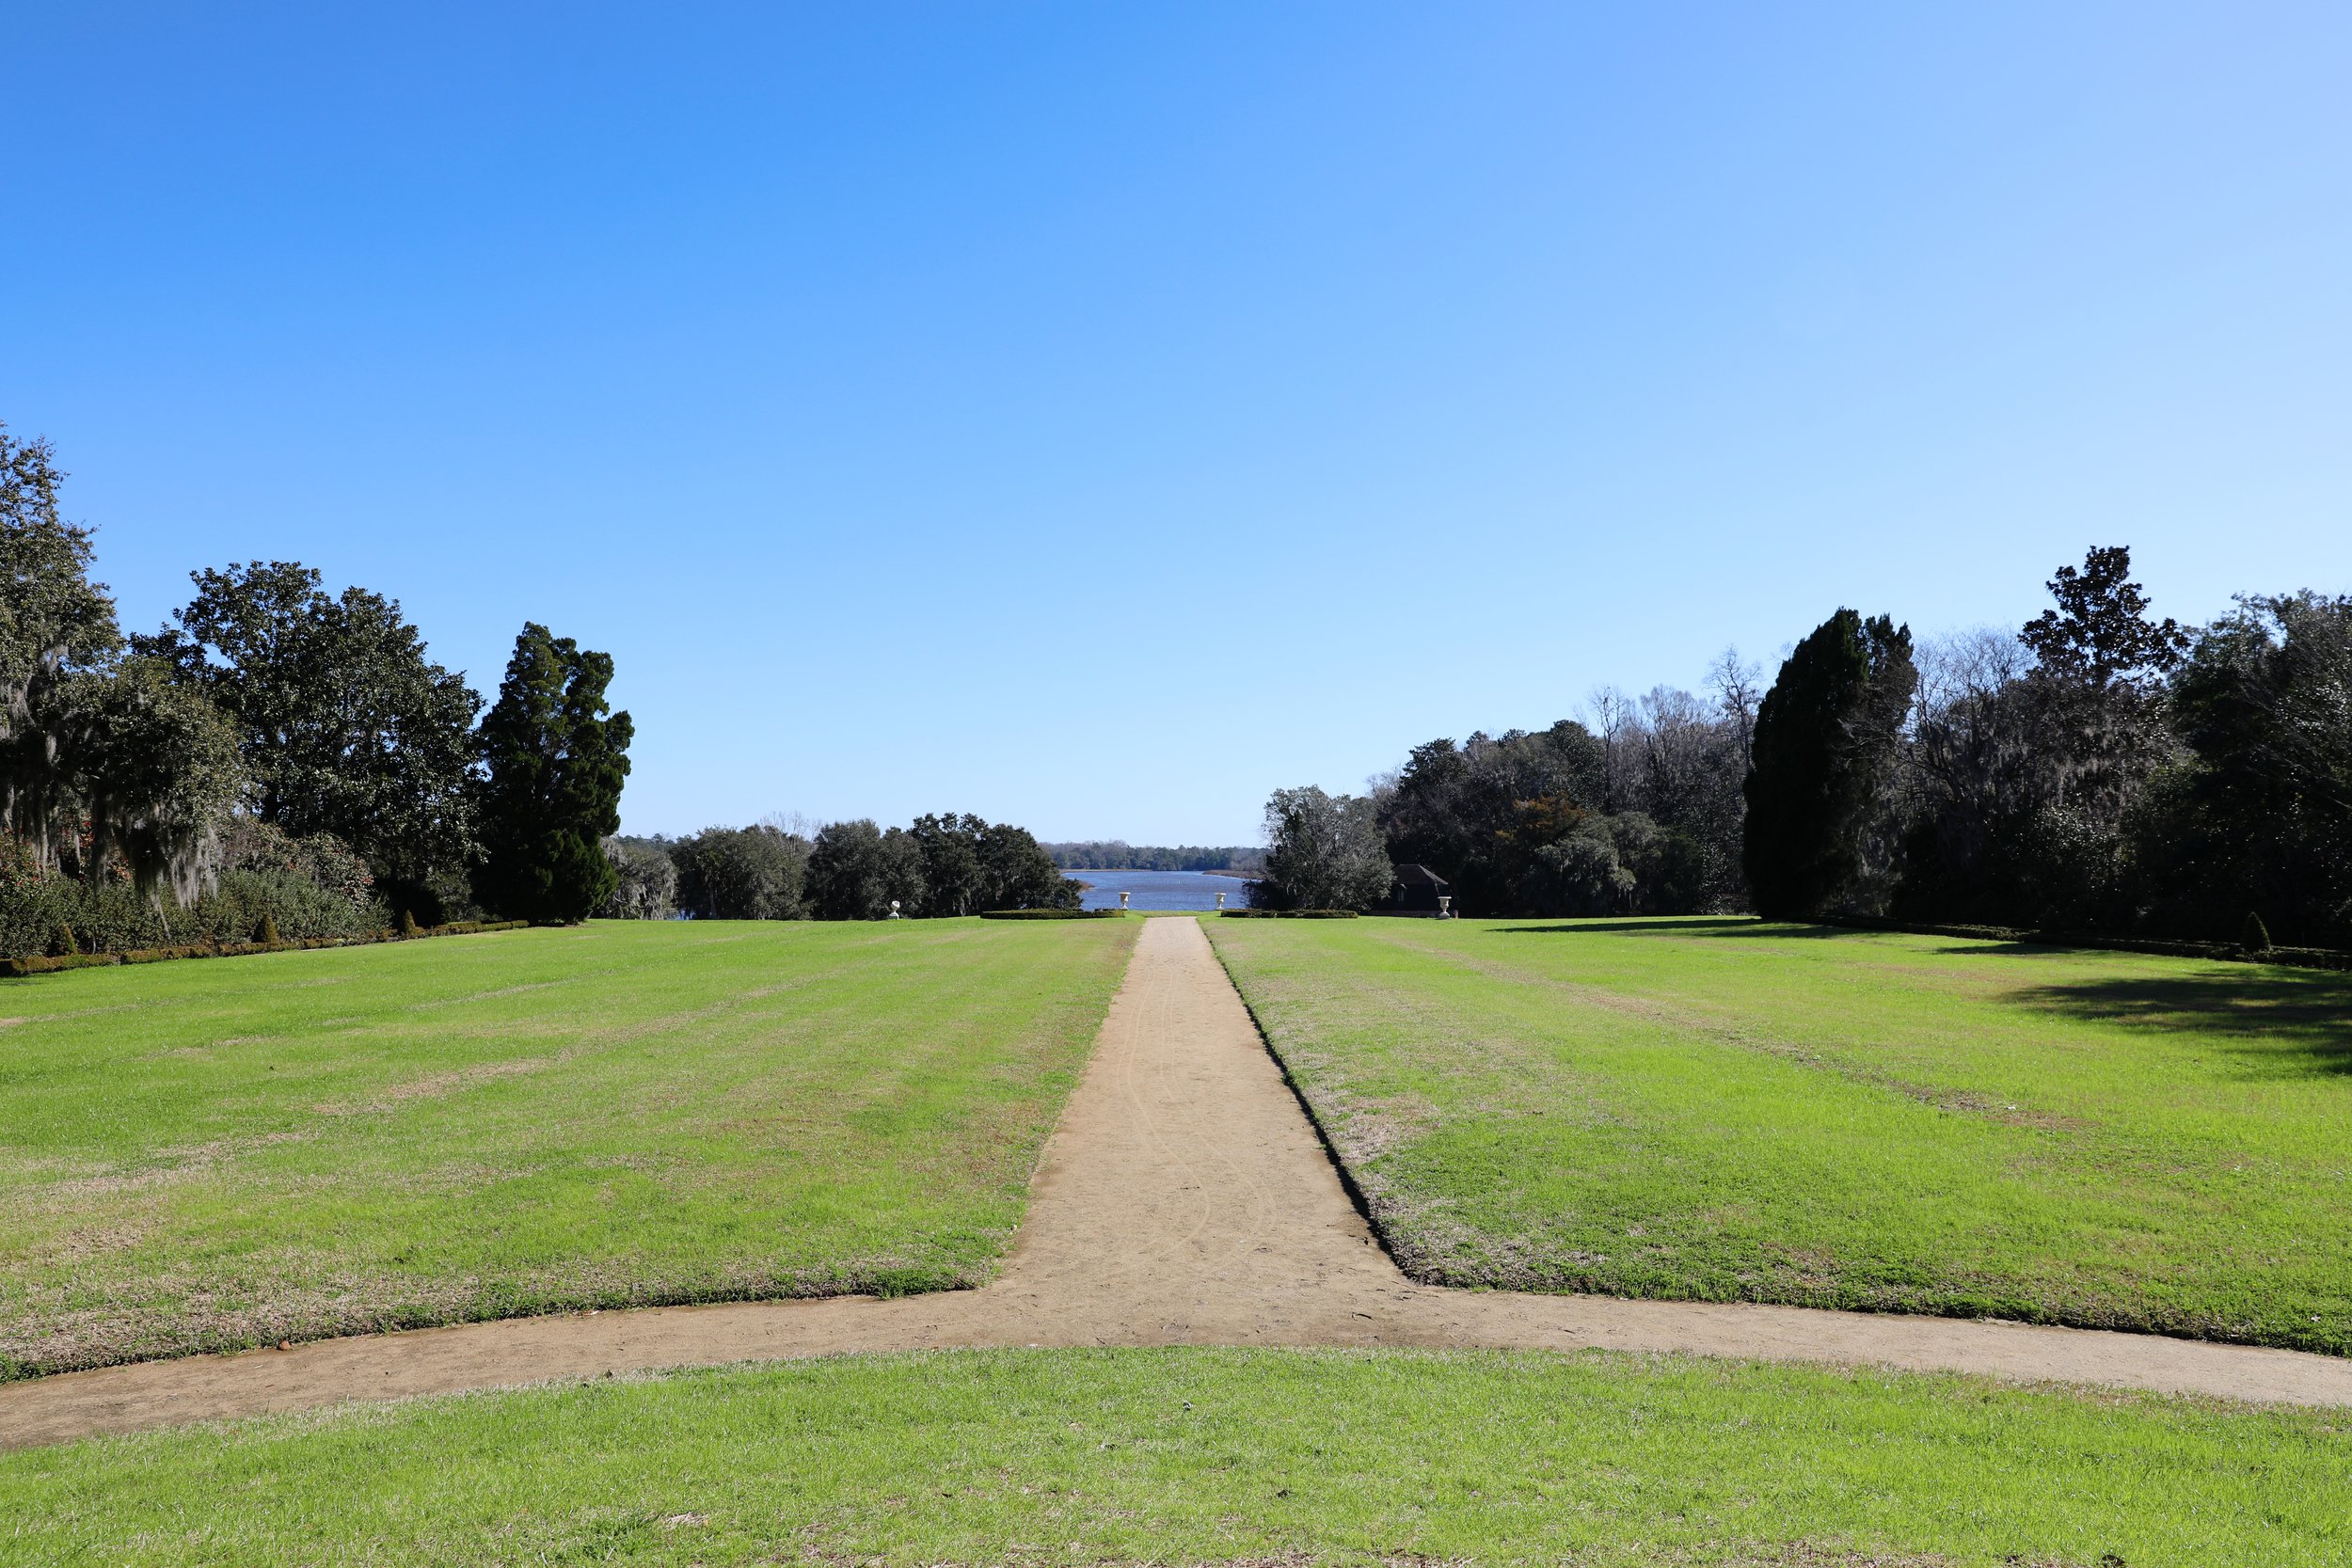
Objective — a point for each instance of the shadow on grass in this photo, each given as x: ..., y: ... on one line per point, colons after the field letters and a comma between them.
x: 1713, y: 925
x: 2000, y: 948
x: 2289, y: 1022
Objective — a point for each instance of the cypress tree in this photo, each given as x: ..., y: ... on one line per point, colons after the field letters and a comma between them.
x: 1824, y: 736
x: 553, y: 787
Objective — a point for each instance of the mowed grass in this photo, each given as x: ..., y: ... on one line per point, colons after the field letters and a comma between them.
x: 1200, y: 1455
x: 1727, y: 1110
x: 204, y: 1155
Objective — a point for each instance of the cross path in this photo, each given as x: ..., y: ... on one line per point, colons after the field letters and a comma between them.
x: 1184, y: 1200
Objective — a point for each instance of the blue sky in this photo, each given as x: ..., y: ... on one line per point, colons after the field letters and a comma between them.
x: 1097, y: 416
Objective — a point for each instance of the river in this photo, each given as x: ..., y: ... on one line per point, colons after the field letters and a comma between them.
x: 1161, y: 890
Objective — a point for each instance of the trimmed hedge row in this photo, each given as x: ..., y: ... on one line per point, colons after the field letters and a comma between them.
x: 1051, y: 914
x: 20, y: 968
x: 2300, y: 958
x: 1289, y: 914
x: 50, y: 913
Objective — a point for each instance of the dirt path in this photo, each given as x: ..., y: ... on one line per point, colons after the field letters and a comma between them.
x: 1184, y: 1200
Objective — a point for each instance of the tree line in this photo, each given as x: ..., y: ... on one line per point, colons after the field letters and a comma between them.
x: 1118, y: 855
x: 282, y: 759
x: 2095, y: 769
x: 2099, y: 769
x: 1638, y: 810
x: 938, y: 866
x: 276, y: 757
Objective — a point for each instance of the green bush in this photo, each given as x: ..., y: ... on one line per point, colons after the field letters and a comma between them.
x: 1051, y: 914
x: 20, y: 968
x: 55, y: 915
x: 2255, y: 936
x: 408, y: 922
x: 1289, y: 914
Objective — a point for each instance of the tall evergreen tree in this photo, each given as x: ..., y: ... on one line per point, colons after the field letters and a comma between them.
x: 553, y: 790
x: 1825, y: 737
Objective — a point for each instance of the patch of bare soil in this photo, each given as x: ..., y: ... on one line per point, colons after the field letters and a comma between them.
x: 437, y: 1086
x: 1184, y: 1199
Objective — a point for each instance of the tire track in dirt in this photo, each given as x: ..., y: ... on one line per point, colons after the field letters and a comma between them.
x: 1184, y: 1200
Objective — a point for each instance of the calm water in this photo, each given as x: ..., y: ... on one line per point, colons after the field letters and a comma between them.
x: 1161, y: 890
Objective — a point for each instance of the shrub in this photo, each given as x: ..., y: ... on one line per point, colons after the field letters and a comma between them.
x: 1289, y: 914
x: 408, y: 922
x: 1051, y: 914
x: 55, y: 915
x: 20, y: 968
x: 2255, y: 936
x: 321, y: 859
x: 266, y: 933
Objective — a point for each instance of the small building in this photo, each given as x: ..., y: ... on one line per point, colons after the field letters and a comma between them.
x: 1416, y: 890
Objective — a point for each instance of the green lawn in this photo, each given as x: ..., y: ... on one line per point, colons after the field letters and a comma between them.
x: 208, y: 1154
x: 1722, y: 1109
x: 1194, y: 1455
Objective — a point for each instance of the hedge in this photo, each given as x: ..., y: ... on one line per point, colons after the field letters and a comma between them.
x: 48, y: 913
x: 2300, y: 958
x: 1289, y: 914
x: 1051, y: 914
x: 20, y: 968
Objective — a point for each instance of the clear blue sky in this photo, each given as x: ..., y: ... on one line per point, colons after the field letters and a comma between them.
x: 1095, y: 416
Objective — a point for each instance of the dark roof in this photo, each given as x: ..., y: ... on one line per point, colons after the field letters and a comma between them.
x: 1412, y: 873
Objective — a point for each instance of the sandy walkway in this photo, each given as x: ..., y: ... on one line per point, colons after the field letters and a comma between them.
x: 1184, y: 1200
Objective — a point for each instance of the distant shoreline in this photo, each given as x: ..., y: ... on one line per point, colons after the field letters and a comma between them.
x: 1077, y: 872
x: 1080, y: 873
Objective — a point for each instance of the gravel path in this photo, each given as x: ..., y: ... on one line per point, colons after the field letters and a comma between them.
x: 1184, y: 1200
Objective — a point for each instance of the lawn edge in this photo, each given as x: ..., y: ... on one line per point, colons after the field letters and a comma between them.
x: 877, y: 1279
x: 1410, y: 1261
x: 1356, y: 1195
x: 876, y: 1285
